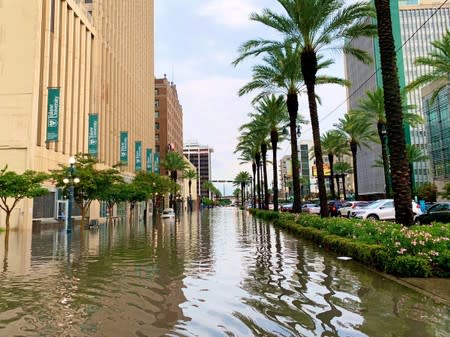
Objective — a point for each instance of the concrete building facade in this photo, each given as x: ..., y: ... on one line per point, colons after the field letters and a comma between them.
x: 74, y: 77
x: 412, y: 40
x: 168, y: 119
x: 200, y: 157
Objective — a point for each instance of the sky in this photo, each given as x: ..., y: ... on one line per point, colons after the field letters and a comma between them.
x: 195, y: 43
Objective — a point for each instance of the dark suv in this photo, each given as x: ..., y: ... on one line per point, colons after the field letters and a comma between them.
x: 334, y: 205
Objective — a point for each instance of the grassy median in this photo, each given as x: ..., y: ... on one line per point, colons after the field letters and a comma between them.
x: 417, y: 251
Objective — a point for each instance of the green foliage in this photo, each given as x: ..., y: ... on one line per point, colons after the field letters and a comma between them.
x: 446, y: 191
x: 427, y: 192
x: 415, y: 251
x: 409, y: 266
x: 15, y: 187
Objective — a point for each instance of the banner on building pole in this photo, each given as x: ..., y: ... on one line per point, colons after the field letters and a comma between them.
x: 156, y: 162
x: 93, y: 135
x: 137, y: 155
x: 149, y: 159
x: 124, y: 147
x: 53, y: 114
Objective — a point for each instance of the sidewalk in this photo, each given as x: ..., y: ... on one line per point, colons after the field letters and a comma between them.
x: 435, y: 288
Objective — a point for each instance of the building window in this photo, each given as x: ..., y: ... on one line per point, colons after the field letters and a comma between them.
x: 156, y: 114
x: 88, y: 1
x: 157, y: 103
x: 156, y: 92
x: 157, y: 138
x: 157, y: 126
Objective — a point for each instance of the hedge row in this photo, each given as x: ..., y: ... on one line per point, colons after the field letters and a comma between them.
x: 387, y: 247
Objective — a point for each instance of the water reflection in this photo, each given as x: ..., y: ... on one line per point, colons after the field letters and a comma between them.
x: 218, y: 273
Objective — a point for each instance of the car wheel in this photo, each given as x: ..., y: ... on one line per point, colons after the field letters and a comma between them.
x: 417, y: 222
x: 348, y: 215
x: 372, y: 217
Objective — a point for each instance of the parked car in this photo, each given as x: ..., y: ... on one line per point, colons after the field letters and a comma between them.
x: 286, y: 207
x: 439, y: 212
x: 334, y: 206
x: 168, y: 213
x: 349, y: 206
x: 382, y: 209
x: 311, y: 208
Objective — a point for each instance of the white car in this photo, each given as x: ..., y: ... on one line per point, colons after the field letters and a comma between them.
x: 168, y: 213
x: 311, y: 208
x: 381, y: 210
x: 350, y: 206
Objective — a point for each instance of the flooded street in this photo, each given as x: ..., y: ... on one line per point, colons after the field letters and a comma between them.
x: 216, y: 273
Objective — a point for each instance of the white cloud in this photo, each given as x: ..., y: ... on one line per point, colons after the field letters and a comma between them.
x: 232, y: 13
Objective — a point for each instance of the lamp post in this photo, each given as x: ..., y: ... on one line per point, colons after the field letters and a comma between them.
x: 70, y: 182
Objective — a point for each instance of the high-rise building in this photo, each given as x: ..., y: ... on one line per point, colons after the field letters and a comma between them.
x: 437, y: 114
x: 416, y: 23
x: 168, y: 119
x: 75, y: 77
x: 200, y: 157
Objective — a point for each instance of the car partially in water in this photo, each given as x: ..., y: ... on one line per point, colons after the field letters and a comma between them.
x: 168, y: 213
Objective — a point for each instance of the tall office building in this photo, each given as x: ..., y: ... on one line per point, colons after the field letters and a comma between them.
x: 416, y: 23
x: 168, y: 119
x: 437, y: 114
x: 200, y: 157
x: 75, y: 77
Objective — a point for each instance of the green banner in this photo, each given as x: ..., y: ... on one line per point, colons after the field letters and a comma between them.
x: 52, y: 114
x: 137, y: 155
x: 93, y: 135
x: 156, y: 158
x: 124, y: 147
x: 149, y: 162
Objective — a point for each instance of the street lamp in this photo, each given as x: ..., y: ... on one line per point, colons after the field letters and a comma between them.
x: 70, y: 182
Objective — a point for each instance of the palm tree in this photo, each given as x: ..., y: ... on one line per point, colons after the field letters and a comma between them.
x: 439, y: 62
x: 373, y: 107
x: 242, y: 179
x: 314, y: 25
x: 356, y: 128
x: 273, y: 118
x: 394, y: 116
x: 341, y: 169
x: 173, y: 163
x: 248, y: 148
x: 414, y: 154
x: 190, y: 174
x: 281, y: 72
x: 334, y: 145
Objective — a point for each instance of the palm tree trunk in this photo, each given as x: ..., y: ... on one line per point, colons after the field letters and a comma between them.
x: 266, y: 187
x: 354, y: 149
x: 254, y: 184
x: 274, y: 141
x: 309, y: 70
x: 292, y: 105
x: 338, y: 187
x: 343, y: 187
x: 385, y: 158
x: 331, y: 160
x: 394, y: 116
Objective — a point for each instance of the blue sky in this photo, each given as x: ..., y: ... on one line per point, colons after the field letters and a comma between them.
x: 195, y: 43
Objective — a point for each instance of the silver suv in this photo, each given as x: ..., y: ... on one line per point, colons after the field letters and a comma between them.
x: 382, y: 210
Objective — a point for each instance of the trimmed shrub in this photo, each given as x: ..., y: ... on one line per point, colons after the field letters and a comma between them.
x: 409, y: 266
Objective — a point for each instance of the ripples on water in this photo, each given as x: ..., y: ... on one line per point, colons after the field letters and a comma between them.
x: 221, y: 273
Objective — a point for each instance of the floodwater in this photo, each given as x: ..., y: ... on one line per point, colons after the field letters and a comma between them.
x: 216, y: 273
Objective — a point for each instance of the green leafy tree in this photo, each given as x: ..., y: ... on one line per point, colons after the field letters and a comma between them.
x: 341, y: 169
x: 439, y: 63
x: 373, y: 107
x: 334, y: 144
x: 394, y: 115
x: 357, y: 129
x: 174, y: 162
x: 113, y: 185
x: 242, y: 179
x: 190, y: 174
x: 446, y: 191
x: 15, y: 187
x: 314, y: 25
x: 427, y: 192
